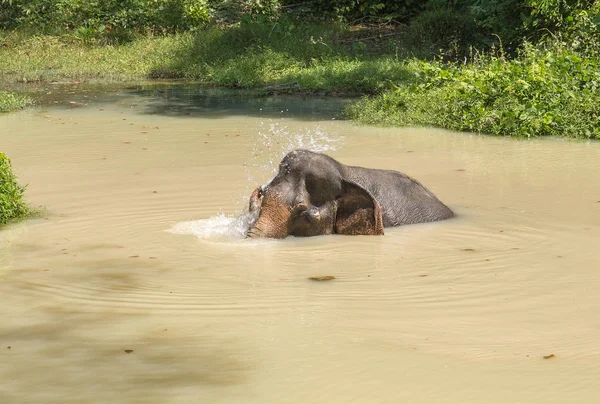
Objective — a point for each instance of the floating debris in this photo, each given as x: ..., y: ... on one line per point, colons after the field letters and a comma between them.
x: 549, y: 356
x: 128, y: 350
x: 322, y: 278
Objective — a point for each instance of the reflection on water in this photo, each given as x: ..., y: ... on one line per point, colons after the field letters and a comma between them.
x: 194, y: 101
x: 138, y: 286
x: 187, y: 100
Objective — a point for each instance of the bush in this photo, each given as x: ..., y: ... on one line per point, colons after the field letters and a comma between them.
x: 353, y: 11
x: 110, y: 19
x: 443, y: 30
x: 545, y: 91
x: 12, y: 206
x: 10, y: 101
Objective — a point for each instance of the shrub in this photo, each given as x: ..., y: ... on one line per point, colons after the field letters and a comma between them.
x: 545, y: 91
x: 444, y: 30
x: 12, y: 206
x: 111, y: 19
x: 10, y: 101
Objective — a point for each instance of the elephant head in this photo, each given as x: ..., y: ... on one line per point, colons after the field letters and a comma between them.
x: 310, y: 196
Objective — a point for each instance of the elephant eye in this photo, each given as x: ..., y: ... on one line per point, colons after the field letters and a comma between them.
x: 284, y: 168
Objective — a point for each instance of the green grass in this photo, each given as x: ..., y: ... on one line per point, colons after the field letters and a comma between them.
x: 11, y: 101
x: 50, y: 58
x: 12, y: 206
x: 249, y: 55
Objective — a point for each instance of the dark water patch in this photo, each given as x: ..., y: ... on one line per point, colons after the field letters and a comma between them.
x: 74, y: 353
x: 185, y: 100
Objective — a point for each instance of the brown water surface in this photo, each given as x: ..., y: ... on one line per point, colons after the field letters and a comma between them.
x: 137, y: 287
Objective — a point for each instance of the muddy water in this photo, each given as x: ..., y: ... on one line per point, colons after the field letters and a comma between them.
x: 136, y: 286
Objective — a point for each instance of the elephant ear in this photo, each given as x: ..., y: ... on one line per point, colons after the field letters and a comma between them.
x: 358, y: 213
x: 255, y: 201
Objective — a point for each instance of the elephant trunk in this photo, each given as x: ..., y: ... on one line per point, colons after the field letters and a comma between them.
x: 271, y: 213
x: 254, y: 232
x: 271, y: 223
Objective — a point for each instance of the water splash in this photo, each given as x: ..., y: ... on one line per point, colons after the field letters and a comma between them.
x: 219, y: 227
x: 273, y: 142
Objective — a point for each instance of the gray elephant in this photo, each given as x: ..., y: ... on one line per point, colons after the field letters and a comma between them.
x: 313, y: 194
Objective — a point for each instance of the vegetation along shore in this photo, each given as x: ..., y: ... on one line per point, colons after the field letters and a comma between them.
x: 512, y: 68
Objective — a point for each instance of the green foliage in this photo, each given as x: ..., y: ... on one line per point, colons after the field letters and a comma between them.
x: 11, y: 101
x: 580, y: 31
x: 553, y: 15
x: 12, y: 206
x: 432, y: 23
x: 532, y: 20
x: 104, y: 19
x: 545, y: 91
x: 443, y: 31
x: 352, y: 11
x: 230, y: 11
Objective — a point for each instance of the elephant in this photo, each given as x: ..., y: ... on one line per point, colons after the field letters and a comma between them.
x: 313, y: 194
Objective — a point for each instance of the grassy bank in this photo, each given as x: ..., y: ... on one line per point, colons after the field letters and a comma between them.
x: 549, y: 89
x: 44, y: 58
x: 11, y: 101
x: 12, y: 206
x: 312, y: 57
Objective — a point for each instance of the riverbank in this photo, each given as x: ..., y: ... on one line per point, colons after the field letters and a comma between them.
x: 542, y: 91
x: 252, y: 56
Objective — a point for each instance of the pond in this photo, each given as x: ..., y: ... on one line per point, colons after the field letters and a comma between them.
x: 136, y: 285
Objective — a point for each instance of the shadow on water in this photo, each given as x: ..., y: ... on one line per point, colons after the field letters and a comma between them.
x: 193, y: 100
x: 85, y: 340
x: 186, y: 100
x: 72, y: 362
